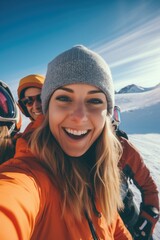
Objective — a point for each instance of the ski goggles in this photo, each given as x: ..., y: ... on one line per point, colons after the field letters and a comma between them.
x: 117, y: 114
x: 29, y: 101
x: 7, y: 106
x: 116, y: 118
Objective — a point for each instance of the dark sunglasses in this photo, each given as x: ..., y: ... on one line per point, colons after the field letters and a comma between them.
x: 29, y: 101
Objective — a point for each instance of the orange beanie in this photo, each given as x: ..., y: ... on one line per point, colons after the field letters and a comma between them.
x: 33, y: 80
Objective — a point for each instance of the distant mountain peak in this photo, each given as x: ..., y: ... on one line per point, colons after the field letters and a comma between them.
x: 133, y: 88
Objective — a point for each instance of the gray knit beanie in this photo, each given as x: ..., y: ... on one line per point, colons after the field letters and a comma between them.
x: 78, y: 65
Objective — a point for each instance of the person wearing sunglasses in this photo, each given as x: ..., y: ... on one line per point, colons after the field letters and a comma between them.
x: 29, y: 95
x: 10, y: 122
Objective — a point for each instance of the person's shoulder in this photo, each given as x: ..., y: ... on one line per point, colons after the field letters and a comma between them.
x: 18, y: 163
x: 37, y: 122
x: 33, y: 125
x: 121, y: 133
x: 130, y: 152
x: 31, y: 176
x: 22, y: 148
x: 124, y: 141
x: 30, y: 167
x: 127, y: 144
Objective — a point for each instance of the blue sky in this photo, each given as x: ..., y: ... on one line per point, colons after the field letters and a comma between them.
x: 125, y: 32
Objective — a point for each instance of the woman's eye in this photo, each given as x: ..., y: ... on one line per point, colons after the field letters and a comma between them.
x: 95, y: 101
x: 63, y: 99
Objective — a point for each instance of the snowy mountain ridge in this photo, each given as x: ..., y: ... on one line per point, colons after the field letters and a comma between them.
x: 133, y: 88
x: 132, y: 101
x: 140, y: 112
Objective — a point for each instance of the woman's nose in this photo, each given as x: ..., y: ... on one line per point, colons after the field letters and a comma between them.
x: 79, y: 113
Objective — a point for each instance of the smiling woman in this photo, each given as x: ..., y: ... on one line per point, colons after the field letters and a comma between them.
x: 69, y: 171
x: 81, y: 111
x: 29, y: 91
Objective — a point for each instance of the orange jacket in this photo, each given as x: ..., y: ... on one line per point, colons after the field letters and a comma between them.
x: 30, y: 206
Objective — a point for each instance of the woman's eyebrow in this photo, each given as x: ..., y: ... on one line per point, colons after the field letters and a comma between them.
x: 95, y: 91
x: 66, y: 89
x: 71, y: 91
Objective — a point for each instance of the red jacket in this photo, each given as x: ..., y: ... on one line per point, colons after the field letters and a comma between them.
x: 134, y: 168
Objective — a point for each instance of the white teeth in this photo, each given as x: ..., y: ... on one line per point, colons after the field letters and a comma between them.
x: 75, y: 132
x: 38, y: 113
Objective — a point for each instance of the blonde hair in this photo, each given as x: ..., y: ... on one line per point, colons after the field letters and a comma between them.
x: 83, y: 183
x: 7, y: 144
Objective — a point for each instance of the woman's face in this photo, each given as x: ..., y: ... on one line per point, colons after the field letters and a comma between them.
x: 77, y: 115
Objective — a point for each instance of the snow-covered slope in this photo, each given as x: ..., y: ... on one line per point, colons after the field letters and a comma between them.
x: 133, y: 101
x: 140, y: 112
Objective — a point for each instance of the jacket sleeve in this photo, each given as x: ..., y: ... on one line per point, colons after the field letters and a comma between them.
x: 19, y: 204
x: 133, y: 166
